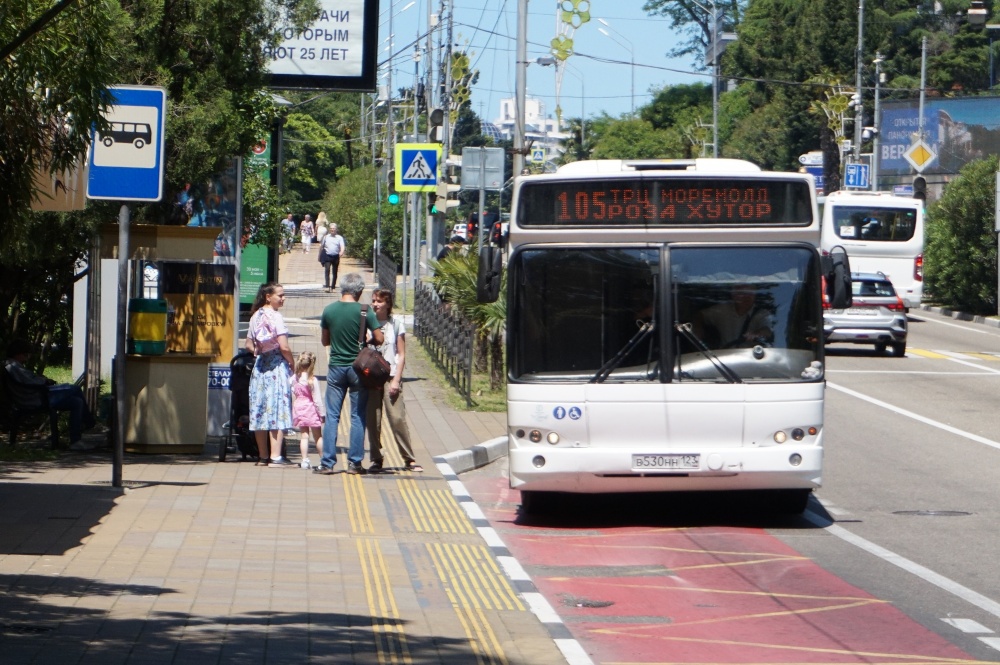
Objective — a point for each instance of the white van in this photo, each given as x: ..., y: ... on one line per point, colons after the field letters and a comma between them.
x: 881, y: 233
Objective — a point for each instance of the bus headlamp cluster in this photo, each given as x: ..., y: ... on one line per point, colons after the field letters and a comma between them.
x: 535, y: 436
x: 796, y: 434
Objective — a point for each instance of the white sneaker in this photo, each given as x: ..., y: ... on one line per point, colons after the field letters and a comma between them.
x: 305, y: 464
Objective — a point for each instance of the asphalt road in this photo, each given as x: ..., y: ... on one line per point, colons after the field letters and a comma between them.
x: 907, y: 523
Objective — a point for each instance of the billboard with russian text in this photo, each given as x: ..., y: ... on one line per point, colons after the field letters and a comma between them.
x: 957, y: 130
x: 337, y: 51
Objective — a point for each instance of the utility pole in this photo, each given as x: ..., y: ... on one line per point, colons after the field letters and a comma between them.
x: 859, y: 107
x: 520, y: 75
x: 875, y: 138
x: 715, y: 80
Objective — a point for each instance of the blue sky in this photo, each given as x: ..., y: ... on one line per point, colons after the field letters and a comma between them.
x: 601, y: 66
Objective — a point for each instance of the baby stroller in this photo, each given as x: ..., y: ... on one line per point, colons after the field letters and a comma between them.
x: 241, y: 367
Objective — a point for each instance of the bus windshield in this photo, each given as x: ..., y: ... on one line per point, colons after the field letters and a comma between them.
x: 601, y: 314
x: 875, y: 224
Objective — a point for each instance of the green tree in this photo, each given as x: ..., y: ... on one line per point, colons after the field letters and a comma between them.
x: 637, y: 139
x: 312, y: 155
x: 53, y: 70
x: 693, y: 19
x: 352, y: 204
x: 960, y: 270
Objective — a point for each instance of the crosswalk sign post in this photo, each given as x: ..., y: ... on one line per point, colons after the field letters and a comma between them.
x: 417, y: 166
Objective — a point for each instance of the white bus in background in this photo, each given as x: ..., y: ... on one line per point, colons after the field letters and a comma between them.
x: 664, y: 330
x: 881, y: 233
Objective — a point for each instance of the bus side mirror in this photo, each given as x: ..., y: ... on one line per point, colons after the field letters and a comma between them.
x: 837, y: 269
x: 490, y: 272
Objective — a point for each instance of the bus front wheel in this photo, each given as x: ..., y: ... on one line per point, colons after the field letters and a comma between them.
x: 789, y: 502
x: 534, y: 502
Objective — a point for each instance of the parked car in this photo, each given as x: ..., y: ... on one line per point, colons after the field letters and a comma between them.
x: 877, y: 316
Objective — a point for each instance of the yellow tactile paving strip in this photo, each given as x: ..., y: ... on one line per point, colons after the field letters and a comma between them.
x: 468, y: 573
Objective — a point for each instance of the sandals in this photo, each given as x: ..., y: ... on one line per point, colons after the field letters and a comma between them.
x: 413, y: 466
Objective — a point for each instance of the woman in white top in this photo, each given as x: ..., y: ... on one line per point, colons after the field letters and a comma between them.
x: 308, y: 231
x: 321, y: 226
x: 389, y: 396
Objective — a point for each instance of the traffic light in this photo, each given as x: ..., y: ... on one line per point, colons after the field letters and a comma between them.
x: 920, y: 188
x: 435, y: 131
x: 432, y: 203
x: 393, y: 197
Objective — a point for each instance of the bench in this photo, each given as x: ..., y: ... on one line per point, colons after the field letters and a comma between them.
x: 15, y: 412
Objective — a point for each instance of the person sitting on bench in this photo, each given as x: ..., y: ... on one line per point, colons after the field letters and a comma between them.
x: 24, y: 387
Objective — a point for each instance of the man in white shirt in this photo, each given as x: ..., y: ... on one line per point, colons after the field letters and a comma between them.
x: 332, y: 247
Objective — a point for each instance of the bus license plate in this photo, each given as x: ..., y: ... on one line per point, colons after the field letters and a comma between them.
x: 664, y: 462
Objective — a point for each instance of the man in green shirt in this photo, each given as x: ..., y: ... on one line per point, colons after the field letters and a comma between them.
x: 340, y: 326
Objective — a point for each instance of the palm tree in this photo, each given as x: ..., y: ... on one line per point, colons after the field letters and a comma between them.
x: 455, y: 280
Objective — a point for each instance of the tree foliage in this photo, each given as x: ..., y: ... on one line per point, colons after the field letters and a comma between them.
x: 52, y: 91
x: 637, y: 139
x: 960, y: 267
x: 352, y: 204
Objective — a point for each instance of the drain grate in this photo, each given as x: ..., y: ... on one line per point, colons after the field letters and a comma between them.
x: 932, y: 513
x: 574, y: 601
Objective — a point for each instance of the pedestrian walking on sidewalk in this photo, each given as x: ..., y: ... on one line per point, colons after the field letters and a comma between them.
x: 270, y: 395
x: 330, y: 251
x: 307, y: 230
x: 308, y: 410
x: 340, y: 325
x: 390, y: 396
x: 321, y: 227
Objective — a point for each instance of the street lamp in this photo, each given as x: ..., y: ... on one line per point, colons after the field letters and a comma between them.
x: 549, y: 61
x: 627, y: 45
x: 713, y: 44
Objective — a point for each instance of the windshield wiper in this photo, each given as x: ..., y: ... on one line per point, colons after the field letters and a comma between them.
x: 610, y: 366
x: 727, y: 373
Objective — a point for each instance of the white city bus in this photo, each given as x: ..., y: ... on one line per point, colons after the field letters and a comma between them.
x: 881, y: 233
x: 664, y: 330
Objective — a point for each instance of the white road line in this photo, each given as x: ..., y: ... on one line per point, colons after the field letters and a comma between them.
x: 916, y: 416
x: 967, y: 625
x: 991, y: 641
x: 926, y: 574
x: 964, y: 360
x: 953, y: 325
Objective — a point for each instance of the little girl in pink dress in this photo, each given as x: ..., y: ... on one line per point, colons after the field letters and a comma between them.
x: 308, y: 410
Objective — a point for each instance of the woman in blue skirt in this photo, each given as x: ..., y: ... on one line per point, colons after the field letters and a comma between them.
x: 270, y: 395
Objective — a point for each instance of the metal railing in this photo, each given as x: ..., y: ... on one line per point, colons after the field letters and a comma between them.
x: 385, y: 273
x: 447, y: 336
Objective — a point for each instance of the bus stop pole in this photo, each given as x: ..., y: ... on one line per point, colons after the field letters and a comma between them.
x: 119, y: 374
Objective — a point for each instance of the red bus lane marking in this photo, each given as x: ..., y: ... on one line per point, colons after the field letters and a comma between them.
x: 718, y: 594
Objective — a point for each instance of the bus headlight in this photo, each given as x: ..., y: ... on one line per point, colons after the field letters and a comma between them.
x: 798, y: 434
x: 780, y: 437
x: 535, y: 436
x: 552, y: 438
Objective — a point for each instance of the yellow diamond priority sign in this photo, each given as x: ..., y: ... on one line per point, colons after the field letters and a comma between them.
x: 919, y: 155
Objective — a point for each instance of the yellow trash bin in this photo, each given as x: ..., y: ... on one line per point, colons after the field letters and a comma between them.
x: 147, y: 326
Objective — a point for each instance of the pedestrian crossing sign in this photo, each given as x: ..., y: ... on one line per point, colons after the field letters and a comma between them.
x: 417, y: 167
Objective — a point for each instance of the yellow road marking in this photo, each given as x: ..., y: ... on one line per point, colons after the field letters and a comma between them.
x: 390, y: 637
x: 924, y: 353
x: 433, y: 511
x: 471, y: 572
x: 357, y: 505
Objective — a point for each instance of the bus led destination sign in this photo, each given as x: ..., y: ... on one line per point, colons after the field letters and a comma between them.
x: 687, y: 202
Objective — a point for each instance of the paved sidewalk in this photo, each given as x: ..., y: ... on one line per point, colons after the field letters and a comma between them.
x: 198, y: 561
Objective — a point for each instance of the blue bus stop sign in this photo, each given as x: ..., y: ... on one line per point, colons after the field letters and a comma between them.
x: 857, y: 176
x: 126, y: 161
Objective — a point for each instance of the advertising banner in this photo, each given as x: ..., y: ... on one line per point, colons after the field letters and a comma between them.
x: 337, y: 51
x: 956, y: 132
x: 200, y: 296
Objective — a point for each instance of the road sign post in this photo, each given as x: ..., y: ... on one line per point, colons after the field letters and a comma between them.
x: 126, y: 160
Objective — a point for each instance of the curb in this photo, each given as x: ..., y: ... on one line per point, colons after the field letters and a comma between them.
x: 962, y: 316
x: 475, y: 457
